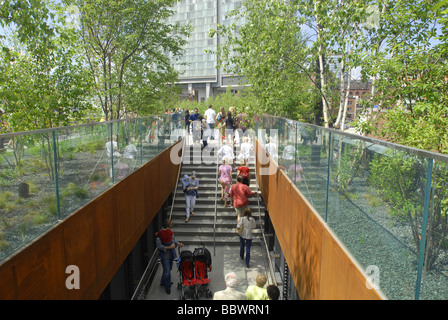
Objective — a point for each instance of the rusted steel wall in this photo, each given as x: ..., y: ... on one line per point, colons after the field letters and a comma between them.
x: 96, y: 239
x: 319, y: 264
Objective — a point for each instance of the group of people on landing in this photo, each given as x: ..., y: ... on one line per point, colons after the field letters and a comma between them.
x: 202, y: 127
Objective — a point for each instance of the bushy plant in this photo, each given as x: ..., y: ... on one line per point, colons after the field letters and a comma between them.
x: 400, y: 180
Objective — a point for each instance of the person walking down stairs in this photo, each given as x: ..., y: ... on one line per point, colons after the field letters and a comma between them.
x: 190, y: 186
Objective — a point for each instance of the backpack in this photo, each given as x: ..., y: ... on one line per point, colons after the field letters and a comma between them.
x: 203, y: 255
x: 186, y: 255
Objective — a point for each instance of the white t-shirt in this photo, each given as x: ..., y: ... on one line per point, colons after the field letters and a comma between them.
x: 227, y: 153
x: 210, y: 115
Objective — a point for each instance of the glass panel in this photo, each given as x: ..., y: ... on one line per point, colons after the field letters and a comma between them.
x: 89, y: 159
x: 311, y: 166
x: 28, y: 205
x: 84, y: 165
x: 375, y: 208
x: 375, y: 202
x: 435, y: 267
x: 150, y: 141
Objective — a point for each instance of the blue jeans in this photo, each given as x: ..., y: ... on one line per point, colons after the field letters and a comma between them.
x: 245, y: 243
x: 167, y: 264
x: 212, y: 127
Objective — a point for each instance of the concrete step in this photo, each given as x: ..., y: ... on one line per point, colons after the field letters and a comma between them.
x: 179, y: 206
x: 208, y: 241
x: 225, y: 215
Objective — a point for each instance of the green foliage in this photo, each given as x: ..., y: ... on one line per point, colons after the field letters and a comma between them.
x: 348, y: 165
x: 7, y: 205
x: 75, y: 190
x: 126, y: 46
x: 50, y: 204
x: 400, y: 180
x: 269, y: 51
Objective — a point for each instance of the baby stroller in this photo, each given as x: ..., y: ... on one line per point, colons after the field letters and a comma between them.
x: 202, y: 265
x: 185, y: 266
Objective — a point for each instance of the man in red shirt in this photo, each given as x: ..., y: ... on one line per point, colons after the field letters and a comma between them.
x: 240, y: 194
x: 245, y: 172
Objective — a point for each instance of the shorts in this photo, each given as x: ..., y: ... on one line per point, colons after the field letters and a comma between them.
x: 239, y: 211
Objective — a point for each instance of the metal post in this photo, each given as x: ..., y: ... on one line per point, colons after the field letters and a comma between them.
x: 328, y: 176
x: 285, y: 280
x: 56, y: 178
x: 112, y: 152
x: 141, y: 140
x: 295, y: 156
x: 424, y: 226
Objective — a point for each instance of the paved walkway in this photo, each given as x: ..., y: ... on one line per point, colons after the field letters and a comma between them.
x: 226, y: 259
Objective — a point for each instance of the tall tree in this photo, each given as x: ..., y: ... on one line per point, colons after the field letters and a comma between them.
x: 409, y: 76
x: 127, y: 43
x: 269, y: 51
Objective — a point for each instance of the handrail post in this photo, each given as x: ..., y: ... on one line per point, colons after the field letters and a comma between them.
x: 56, y: 177
x: 424, y: 226
x: 216, y: 198
x: 328, y: 177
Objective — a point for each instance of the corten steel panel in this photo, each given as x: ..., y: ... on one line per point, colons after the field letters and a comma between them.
x: 7, y: 283
x: 341, y: 278
x: 319, y: 265
x: 79, y: 234
x: 40, y: 268
x: 125, y: 215
x: 97, y: 238
x: 106, y: 237
x: 138, y: 191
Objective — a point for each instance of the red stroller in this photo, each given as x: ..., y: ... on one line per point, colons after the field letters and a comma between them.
x: 202, y: 265
x: 185, y: 266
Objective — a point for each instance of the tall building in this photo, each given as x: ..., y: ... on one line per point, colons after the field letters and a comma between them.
x: 199, y: 76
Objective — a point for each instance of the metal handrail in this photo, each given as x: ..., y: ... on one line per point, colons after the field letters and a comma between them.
x: 271, y: 270
x: 178, y: 175
x: 143, y: 283
x: 216, y: 198
x: 145, y: 277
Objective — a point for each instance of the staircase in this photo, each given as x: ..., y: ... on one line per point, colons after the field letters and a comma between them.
x: 199, y: 230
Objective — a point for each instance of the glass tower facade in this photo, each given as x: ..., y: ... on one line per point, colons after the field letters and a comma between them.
x: 198, y: 66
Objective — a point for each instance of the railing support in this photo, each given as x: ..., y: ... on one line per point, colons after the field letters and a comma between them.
x: 424, y: 227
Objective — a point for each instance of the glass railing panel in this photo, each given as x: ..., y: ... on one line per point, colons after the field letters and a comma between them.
x: 84, y: 167
x: 310, y: 167
x: 28, y: 203
x: 150, y: 143
x: 435, y: 262
x: 126, y: 158
x: 375, y: 208
x: 47, y: 175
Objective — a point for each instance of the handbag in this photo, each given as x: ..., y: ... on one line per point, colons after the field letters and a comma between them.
x: 240, y: 229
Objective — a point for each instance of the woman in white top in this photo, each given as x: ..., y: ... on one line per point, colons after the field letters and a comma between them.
x: 248, y: 223
x: 226, y: 153
x: 245, y: 151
